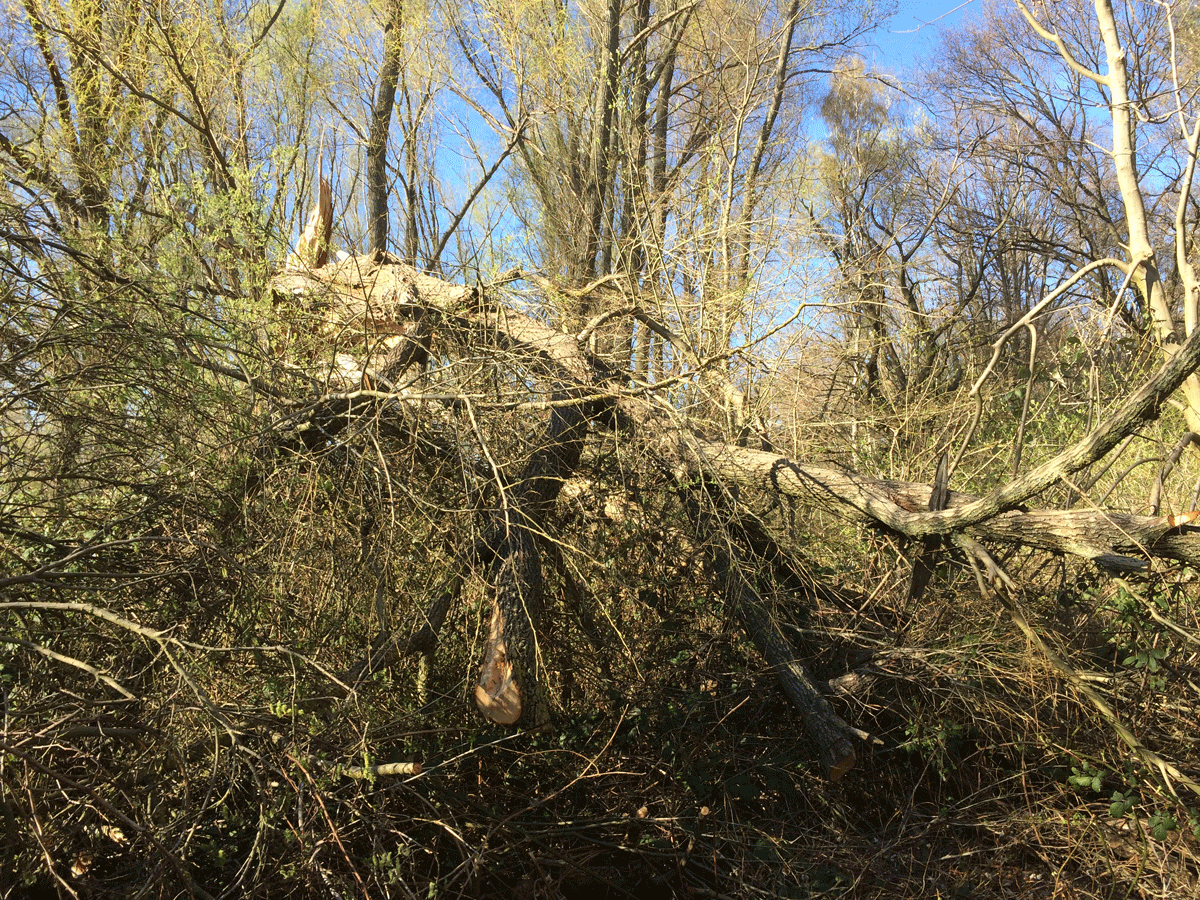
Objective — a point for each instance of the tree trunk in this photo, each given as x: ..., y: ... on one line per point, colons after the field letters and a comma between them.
x: 380, y: 126
x: 835, y: 739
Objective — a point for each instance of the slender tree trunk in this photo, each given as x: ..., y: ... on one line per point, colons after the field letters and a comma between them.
x: 411, y: 190
x: 90, y: 140
x: 602, y: 162
x: 752, y: 189
x: 380, y: 126
x: 658, y: 148
x: 636, y: 183
x: 1146, y: 280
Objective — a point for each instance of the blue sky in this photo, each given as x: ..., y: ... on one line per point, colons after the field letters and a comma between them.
x: 914, y: 31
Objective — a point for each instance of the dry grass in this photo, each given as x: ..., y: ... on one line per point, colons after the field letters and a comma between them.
x: 184, y: 728
x: 675, y: 766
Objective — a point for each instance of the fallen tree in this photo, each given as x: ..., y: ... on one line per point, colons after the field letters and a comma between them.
x: 374, y: 321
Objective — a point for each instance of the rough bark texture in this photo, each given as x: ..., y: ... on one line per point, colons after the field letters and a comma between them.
x: 381, y: 121
x: 509, y: 688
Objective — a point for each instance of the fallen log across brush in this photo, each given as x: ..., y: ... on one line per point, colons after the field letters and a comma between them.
x: 377, y: 323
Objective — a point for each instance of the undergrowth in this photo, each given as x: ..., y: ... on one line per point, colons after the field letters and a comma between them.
x: 190, y: 732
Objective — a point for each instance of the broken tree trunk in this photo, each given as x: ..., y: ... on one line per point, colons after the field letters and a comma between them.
x: 363, y: 296
x: 1110, y: 538
x: 364, y: 301
x: 835, y: 740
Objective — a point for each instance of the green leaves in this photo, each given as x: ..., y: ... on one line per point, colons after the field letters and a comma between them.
x: 1122, y: 803
x: 1087, y: 777
x: 1145, y: 659
x: 1160, y: 824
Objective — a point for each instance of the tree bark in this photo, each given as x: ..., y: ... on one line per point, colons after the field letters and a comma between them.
x: 835, y: 739
x: 380, y: 126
